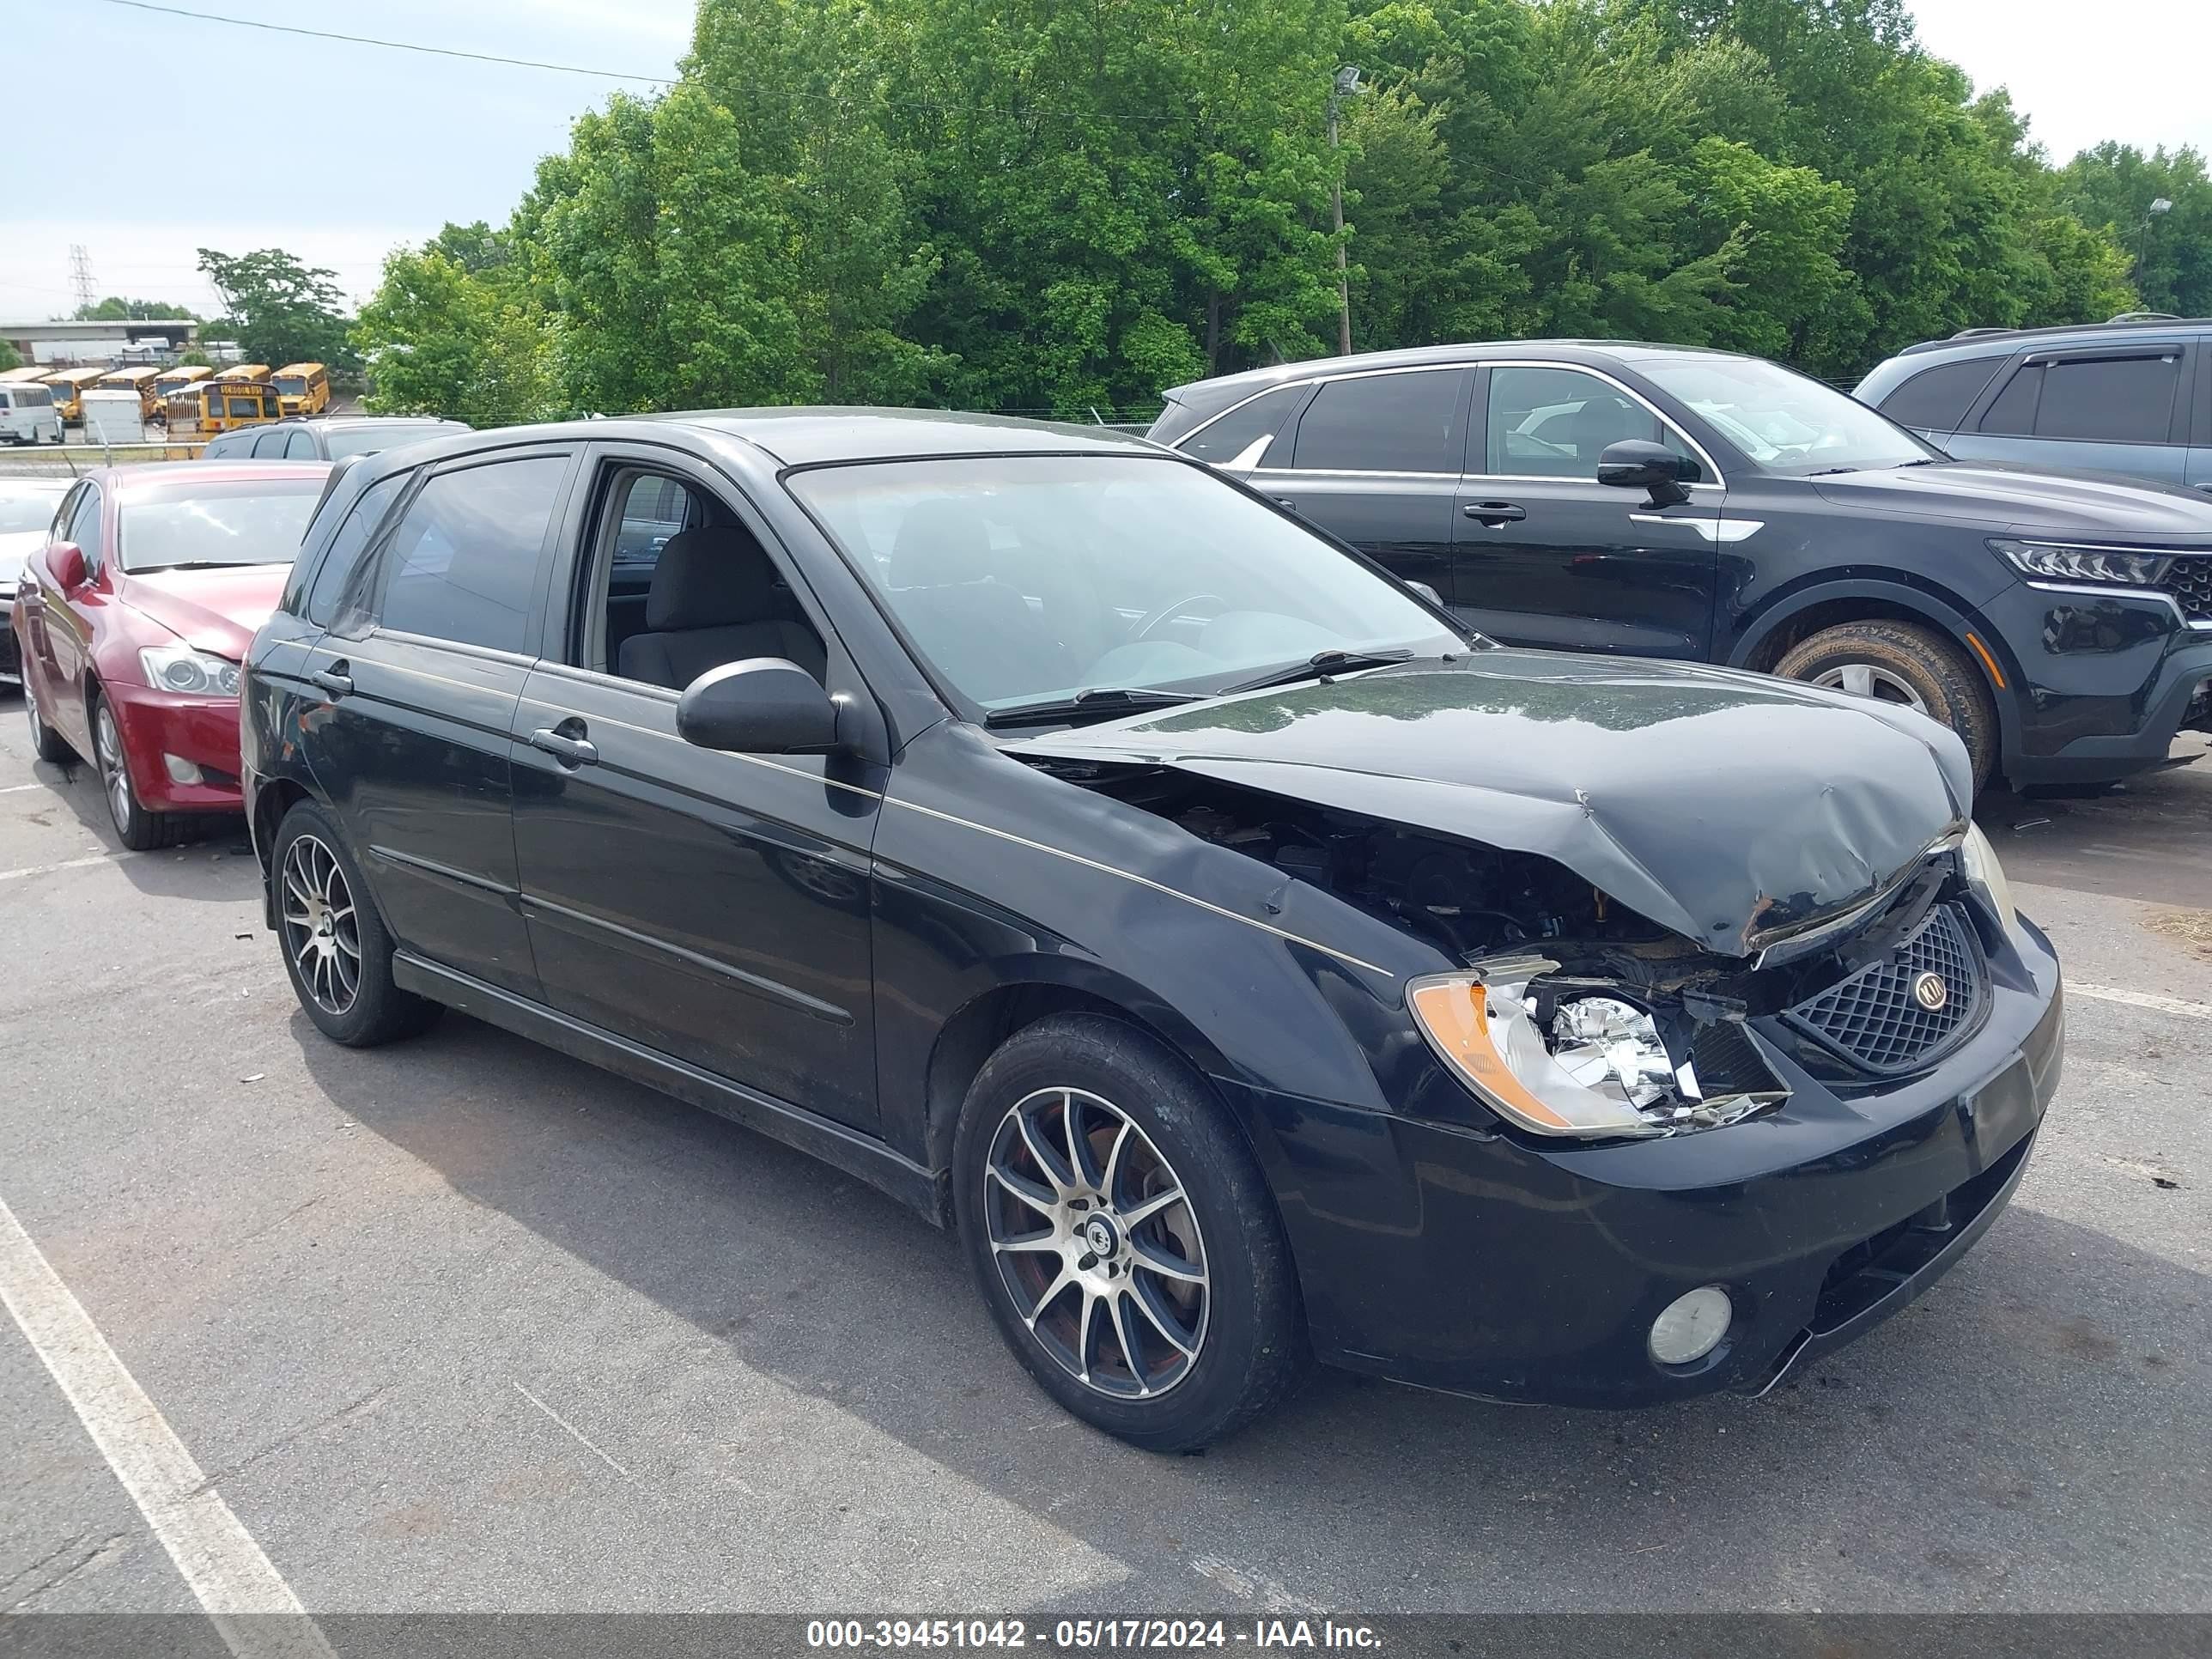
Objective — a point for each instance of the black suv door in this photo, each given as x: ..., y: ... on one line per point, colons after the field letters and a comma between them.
x: 1374, y: 459
x: 1545, y: 555
x: 424, y: 667
x: 712, y: 907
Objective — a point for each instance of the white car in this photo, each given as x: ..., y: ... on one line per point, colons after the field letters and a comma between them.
x: 27, y: 414
x: 27, y: 509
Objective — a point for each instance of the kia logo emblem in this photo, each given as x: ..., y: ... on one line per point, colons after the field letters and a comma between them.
x: 1929, y: 992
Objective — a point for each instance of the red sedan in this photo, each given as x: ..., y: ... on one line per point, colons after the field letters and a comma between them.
x: 132, y: 621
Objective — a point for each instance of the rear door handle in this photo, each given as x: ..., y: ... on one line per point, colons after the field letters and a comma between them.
x: 567, y: 744
x: 1495, y: 513
x: 334, y: 679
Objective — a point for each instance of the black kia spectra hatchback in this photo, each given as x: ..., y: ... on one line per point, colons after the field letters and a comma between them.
x: 1066, y: 839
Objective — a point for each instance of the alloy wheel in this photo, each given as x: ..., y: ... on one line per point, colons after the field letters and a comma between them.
x: 1097, y: 1243
x: 321, y: 930
x: 114, y: 776
x: 1866, y: 679
x: 31, y: 709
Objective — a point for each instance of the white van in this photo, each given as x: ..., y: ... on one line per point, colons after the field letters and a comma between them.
x: 113, y: 418
x: 26, y: 414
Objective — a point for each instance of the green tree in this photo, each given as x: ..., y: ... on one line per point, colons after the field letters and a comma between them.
x: 2111, y: 188
x: 280, y: 310
x: 440, y: 339
x: 116, y: 309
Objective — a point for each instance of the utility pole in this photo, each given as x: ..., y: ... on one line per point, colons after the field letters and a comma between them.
x: 1346, y: 84
x: 81, y: 281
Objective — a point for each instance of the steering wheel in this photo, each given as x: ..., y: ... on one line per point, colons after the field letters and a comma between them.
x: 1166, y: 613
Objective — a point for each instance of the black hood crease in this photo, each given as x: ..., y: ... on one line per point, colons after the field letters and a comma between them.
x: 1730, y: 808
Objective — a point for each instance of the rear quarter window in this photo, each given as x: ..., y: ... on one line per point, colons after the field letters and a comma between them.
x: 1936, y: 399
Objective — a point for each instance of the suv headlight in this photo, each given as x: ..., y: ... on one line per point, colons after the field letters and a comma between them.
x: 1588, y: 1064
x: 2060, y: 562
x: 1978, y: 862
x: 196, y: 673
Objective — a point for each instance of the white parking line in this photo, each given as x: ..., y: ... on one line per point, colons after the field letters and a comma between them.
x: 2075, y: 988
x: 18, y: 788
x: 48, y: 869
x: 217, y: 1557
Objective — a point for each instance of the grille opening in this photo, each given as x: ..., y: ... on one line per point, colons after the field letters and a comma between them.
x: 1875, y: 1018
x: 2190, y: 580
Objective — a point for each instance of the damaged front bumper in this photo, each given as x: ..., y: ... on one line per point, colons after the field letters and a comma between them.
x: 1486, y: 1263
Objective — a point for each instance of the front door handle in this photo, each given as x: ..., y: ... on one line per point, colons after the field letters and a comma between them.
x: 334, y: 679
x: 567, y: 744
x: 1494, y: 513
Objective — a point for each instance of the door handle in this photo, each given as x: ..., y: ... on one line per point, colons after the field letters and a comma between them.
x: 1494, y: 513
x: 334, y: 679
x: 570, y: 747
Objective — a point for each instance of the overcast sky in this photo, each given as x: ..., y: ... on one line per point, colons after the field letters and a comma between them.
x: 357, y: 148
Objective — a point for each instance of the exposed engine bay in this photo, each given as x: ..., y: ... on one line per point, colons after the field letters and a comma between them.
x: 1576, y: 1016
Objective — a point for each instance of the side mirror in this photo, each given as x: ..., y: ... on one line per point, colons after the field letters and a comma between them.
x: 761, y: 705
x: 66, y: 561
x: 1428, y: 593
x: 1639, y: 464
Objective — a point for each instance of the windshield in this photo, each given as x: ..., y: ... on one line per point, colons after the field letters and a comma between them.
x: 1784, y: 422
x: 292, y: 386
x: 1027, y: 578
x: 258, y: 522
x: 24, y: 509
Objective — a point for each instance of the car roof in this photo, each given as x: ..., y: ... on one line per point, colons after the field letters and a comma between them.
x: 215, y: 472
x: 1597, y: 353
x: 2120, y: 328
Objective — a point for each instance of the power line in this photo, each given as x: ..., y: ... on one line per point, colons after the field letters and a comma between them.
x: 393, y: 45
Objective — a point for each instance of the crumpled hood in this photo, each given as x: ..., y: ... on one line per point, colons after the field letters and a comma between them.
x: 1730, y: 807
x: 2027, y: 499
x: 216, y: 610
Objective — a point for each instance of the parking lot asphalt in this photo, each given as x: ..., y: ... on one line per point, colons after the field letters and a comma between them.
x: 460, y: 1324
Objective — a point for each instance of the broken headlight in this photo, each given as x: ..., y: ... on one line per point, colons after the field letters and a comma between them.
x: 1583, y: 1062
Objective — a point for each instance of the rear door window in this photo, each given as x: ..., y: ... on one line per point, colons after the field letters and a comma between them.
x: 1403, y: 422
x: 2104, y: 400
x: 462, y: 561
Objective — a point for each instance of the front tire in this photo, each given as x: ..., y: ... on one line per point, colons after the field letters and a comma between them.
x: 139, y: 829
x: 336, y: 952
x: 46, y: 744
x: 1123, y: 1237
x: 1904, y: 663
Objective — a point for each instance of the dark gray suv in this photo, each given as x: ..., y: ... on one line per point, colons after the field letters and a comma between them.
x: 2131, y: 396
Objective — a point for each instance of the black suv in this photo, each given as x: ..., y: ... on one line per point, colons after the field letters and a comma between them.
x: 1661, y: 501
x: 1057, y: 835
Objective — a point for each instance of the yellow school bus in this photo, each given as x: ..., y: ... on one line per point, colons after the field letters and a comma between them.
x: 303, y: 388
x: 177, y: 378
x: 219, y: 403
x: 16, y: 376
x: 140, y: 380
x: 243, y: 372
x: 67, y: 386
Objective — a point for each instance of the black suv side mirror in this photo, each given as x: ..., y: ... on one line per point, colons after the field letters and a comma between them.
x: 1639, y: 464
x: 761, y: 705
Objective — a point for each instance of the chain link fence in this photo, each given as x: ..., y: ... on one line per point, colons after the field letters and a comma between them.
x: 73, y: 460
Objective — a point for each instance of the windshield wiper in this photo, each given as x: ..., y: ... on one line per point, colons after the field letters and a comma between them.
x: 1105, y: 700
x: 1321, y: 663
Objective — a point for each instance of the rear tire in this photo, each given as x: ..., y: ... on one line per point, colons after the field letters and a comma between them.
x: 1177, y: 1318
x: 1904, y: 663
x: 336, y: 952
x: 139, y: 829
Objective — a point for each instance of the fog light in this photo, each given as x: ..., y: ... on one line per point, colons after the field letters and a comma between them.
x: 1692, y: 1326
x: 180, y: 769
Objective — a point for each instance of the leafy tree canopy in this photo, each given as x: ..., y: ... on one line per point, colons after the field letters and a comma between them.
x: 116, y: 309
x: 1026, y: 206
x: 279, y: 310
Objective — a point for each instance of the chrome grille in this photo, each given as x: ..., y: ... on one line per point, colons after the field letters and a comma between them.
x: 1874, y: 1018
x: 2190, y: 580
